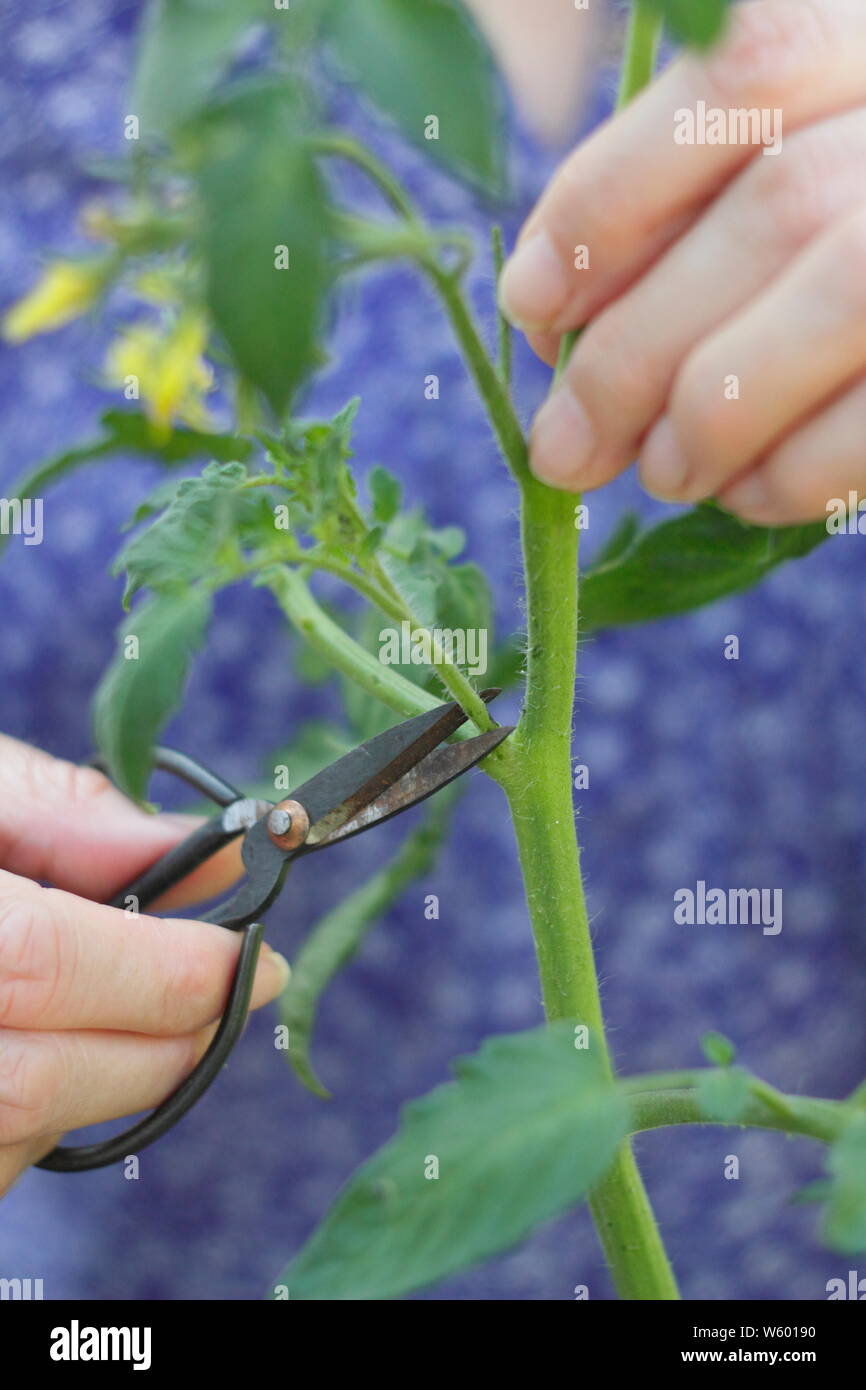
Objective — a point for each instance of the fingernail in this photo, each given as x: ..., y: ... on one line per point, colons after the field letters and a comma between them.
x: 177, y: 821
x: 562, y: 440
x: 664, y: 468
x: 274, y: 971
x: 534, y: 284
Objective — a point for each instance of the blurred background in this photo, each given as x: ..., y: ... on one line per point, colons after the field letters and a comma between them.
x: 742, y: 773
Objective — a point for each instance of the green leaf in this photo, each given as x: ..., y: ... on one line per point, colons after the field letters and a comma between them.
x: 185, y: 46
x: 425, y: 58
x: 128, y: 432
x: 201, y: 531
x: 144, y: 683
x: 623, y: 535
x: 696, y: 22
x: 312, y: 457
x: 694, y: 559
x: 844, y: 1226
x: 336, y: 938
x: 718, y: 1049
x: 524, y: 1132
x: 262, y: 201
x: 724, y: 1095
x: 385, y: 494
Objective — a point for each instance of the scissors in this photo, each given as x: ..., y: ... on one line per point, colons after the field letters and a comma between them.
x: 362, y: 789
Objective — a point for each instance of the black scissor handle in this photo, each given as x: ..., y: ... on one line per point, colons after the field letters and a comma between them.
x: 160, y: 1120
x: 165, y: 1116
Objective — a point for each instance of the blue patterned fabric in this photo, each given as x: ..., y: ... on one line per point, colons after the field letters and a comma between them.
x: 741, y: 773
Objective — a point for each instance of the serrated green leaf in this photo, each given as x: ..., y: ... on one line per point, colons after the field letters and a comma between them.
x: 684, y: 563
x: 844, y: 1225
x: 336, y: 938
x: 463, y: 599
x: 724, y: 1095
x: 425, y: 58
x: 525, y: 1130
x: 260, y: 191
x: 184, y: 47
x: 696, y: 22
x: 718, y: 1049
x: 385, y: 494
x: 312, y: 457
x: 143, y: 685
x: 128, y: 432
x: 417, y: 583
x: 201, y: 530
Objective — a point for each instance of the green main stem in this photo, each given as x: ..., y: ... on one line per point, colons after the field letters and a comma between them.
x: 535, y: 769
x: 537, y: 779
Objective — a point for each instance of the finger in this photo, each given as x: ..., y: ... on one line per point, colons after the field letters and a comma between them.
x: 15, y: 1159
x: 54, y: 1082
x: 67, y: 964
x: 622, y: 193
x: 69, y: 825
x: 545, y: 346
x: 811, y: 473
x: 794, y: 347
x: 624, y: 366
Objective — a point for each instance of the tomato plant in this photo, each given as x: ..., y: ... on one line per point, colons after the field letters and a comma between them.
x: 229, y: 229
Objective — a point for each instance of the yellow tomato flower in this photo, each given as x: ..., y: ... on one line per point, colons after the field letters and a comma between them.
x: 62, y: 293
x: 166, y: 370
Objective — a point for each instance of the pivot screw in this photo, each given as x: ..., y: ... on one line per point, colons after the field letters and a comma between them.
x: 288, y: 825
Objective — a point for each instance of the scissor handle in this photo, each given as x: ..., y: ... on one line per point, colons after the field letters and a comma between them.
x: 165, y: 1116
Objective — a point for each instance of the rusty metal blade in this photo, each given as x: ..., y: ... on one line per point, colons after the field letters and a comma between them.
x: 426, y: 777
x: 340, y: 792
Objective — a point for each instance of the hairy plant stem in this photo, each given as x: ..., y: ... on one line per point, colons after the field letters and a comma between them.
x: 326, y: 637
x: 534, y: 767
x: 535, y: 773
x: 644, y: 31
x: 670, y: 1098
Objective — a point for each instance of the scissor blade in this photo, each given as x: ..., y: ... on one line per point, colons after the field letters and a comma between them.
x: 340, y: 792
x: 435, y: 771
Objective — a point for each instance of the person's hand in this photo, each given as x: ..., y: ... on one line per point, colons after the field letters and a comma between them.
x: 726, y: 291
x: 102, y: 1013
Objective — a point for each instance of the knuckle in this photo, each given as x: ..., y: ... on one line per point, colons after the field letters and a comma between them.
x: 816, y: 177
x: 610, y: 375
x: 788, y: 193
x: 44, y: 776
x: 770, y: 47
x: 31, y: 960
x: 702, y: 416
x: 83, y: 784
x: 189, y: 997
x: 29, y: 1083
